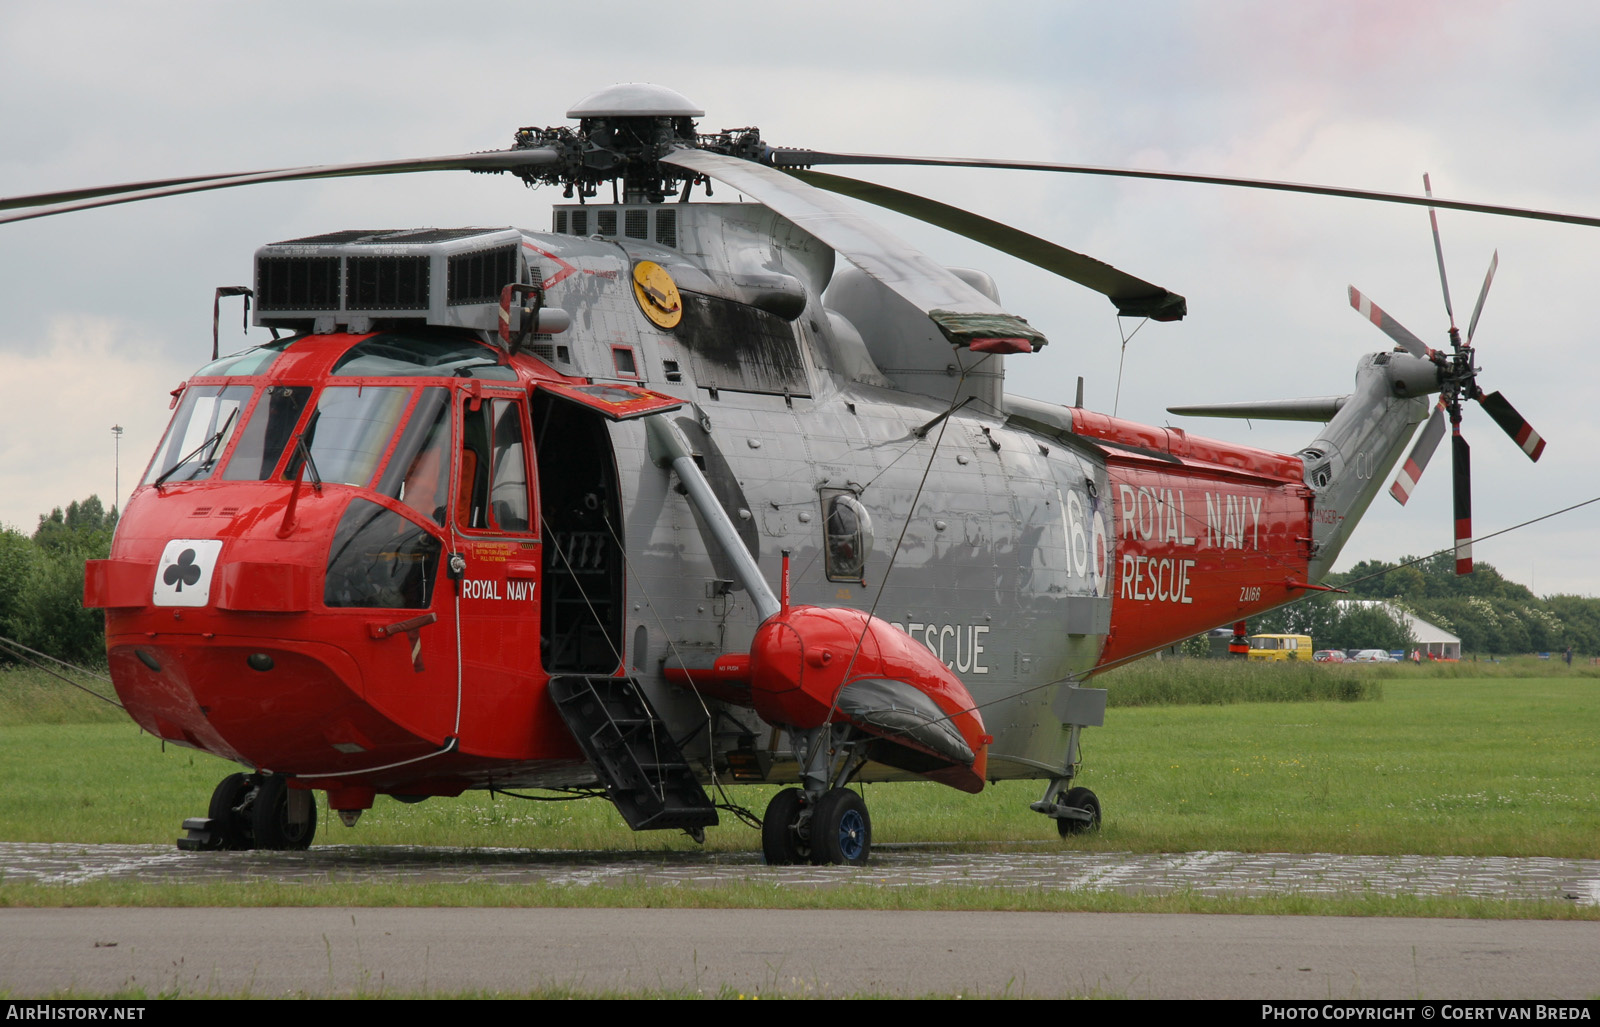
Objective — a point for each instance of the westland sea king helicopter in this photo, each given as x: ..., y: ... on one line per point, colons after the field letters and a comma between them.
x: 671, y: 495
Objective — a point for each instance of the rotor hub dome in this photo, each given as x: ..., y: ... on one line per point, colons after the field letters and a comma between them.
x: 635, y: 100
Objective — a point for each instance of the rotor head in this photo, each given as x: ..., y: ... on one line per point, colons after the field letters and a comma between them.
x: 623, y: 133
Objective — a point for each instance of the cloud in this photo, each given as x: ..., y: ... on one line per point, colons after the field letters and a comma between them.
x: 1497, y: 100
x: 57, y: 406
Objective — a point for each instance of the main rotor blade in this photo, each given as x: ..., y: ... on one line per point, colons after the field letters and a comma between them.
x: 965, y: 315
x: 1462, y: 454
x: 1133, y: 297
x: 1494, y: 262
x: 493, y: 160
x: 1514, y: 425
x: 1438, y: 251
x: 789, y: 157
x: 1421, y: 453
x: 68, y: 195
x: 1392, y: 328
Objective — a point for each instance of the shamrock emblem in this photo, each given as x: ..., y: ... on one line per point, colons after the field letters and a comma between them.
x: 182, y: 573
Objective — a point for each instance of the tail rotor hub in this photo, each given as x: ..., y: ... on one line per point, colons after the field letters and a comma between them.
x: 1458, y: 381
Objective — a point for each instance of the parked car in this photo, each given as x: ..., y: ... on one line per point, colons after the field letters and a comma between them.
x: 1329, y: 656
x: 1373, y: 656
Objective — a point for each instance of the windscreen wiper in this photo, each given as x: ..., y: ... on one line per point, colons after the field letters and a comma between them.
x: 307, y: 461
x: 208, y: 447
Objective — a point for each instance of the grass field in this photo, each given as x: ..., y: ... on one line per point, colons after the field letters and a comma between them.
x: 1442, y: 764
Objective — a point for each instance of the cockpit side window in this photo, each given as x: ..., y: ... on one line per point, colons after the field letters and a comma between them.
x: 493, y: 490
x: 472, y: 490
x: 199, y: 433
x: 508, y: 493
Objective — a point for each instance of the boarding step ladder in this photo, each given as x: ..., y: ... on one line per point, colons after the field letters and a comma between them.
x: 644, y: 771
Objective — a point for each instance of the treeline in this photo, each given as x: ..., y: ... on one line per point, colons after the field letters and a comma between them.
x: 1489, y: 613
x: 41, y: 582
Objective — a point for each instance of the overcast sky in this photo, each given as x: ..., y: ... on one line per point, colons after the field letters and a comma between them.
x: 102, y: 313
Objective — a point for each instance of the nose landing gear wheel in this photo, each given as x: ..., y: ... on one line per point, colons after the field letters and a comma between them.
x: 1081, y: 798
x: 781, y: 842
x: 841, y: 831
x: 284, y: 817
x: 230, y: 813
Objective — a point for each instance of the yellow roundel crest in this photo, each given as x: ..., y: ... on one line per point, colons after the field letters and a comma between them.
x: 657, y: 294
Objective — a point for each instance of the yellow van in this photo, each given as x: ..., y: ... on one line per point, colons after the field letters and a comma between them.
x: 1280, y: 647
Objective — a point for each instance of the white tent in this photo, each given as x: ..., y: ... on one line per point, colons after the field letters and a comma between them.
x: 1435, y: 642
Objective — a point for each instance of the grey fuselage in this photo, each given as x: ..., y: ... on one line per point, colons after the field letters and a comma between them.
x: 983, y: 527
x: 972, y: 522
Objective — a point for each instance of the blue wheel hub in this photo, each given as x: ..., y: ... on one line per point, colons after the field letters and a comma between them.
x: 852, y: 834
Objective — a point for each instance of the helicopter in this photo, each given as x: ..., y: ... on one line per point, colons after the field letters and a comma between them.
x: 683, y: 492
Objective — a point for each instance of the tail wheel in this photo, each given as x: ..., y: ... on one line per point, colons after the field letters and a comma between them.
x: 283, y: 817
x: 1079, y: 798
x: 841, y: 831
x: 781, y: 842
x: 230, y: 813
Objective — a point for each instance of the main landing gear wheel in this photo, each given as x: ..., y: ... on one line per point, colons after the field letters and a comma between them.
x: 230, y: 813
x: 841, y: 831
x: 1081, y: 798
x: 781, y: 842
x: 283, y: 817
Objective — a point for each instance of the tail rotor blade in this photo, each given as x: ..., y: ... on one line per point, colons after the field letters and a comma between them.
x: 1514, y: 425
x: 1438, y: 251
x: 1472, y: 326
x: 1463, y: 490
x: 1388, y: 325
x: 1421, y: 453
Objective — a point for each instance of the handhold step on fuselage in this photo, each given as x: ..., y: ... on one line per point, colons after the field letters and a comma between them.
x: 645, y: 773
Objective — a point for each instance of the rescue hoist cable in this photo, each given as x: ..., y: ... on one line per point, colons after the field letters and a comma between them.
x: 456, y: 579
x: 453, y: 741
x: 1137, y: 656
x: 655, y: 742
x: 917, y: 435
x: 740, y: 813
x: 451, y: 744
x: 18, y: 650
x: 894, y: 554
x: 1424, y: 559
x: 572, y: 794
x: 550, y: 533
x: 628, y: 569
x: 1117, y: 401
x: 573, y: 575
